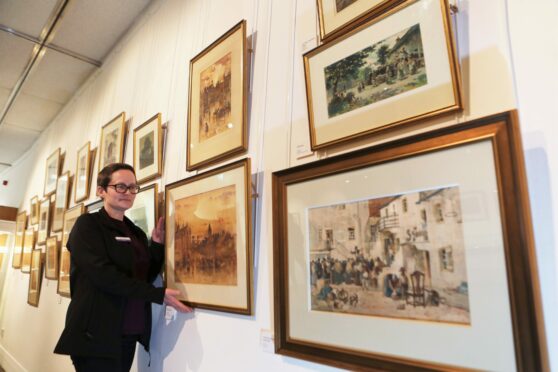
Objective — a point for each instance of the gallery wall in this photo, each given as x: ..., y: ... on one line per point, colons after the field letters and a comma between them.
x: 499, y: 48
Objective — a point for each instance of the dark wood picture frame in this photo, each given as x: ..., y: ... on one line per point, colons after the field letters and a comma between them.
x: 499, y: 132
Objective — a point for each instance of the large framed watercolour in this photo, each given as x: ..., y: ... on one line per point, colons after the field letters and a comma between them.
x: 384, y: 261
x: 28, y: 246
x: 34, y: 210
x: 208, y: 239
x: 21, y: 225
x: 52, y: 257
x: 44, y: 221
x: 51, y: 172
x: 111, y: 148
x: 70, y: 217
x: 61, y: 202
x: 83, y: 172
x: 144, y: 212
x: 336, y: 16
x: 35, y: 278
x: 217, y: 102
x: 396, y: 68
x: 148, y: 149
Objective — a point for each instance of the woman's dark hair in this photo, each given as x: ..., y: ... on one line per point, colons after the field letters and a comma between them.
x: 104, y: 176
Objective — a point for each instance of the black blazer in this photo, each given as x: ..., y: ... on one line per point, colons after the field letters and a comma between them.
x: 101, y: 281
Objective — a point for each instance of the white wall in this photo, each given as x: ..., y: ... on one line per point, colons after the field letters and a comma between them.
x: 507, y: 53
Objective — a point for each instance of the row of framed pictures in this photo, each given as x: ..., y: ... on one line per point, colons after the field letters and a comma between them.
x: 208, y: 238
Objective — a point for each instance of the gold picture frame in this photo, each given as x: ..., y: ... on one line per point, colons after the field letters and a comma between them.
x: 148, y: 149
x: 83, y: 173
x: 208, y: 224
x: 28, y: 246
x: 43, y: 230
x: 419, y: 217
x: 111, y: 148
x: 337, y: 16
x: 34, y: 210
x: 35, y: 278
x: 21, y: 225
x: 392, y: 70
x: 61, y: 202
x: 52, y: 170
x: 70, y: 217
x: 51, y: 258
x: 217, y: 100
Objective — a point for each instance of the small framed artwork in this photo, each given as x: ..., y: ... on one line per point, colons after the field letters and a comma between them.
x: 336, y: 16
x: 144, y: 212
x: 34, y: 212
x: 111, y: 149
x: 51, y: 172
x: 21, y: 225
x: 94, y: 206
x: 44, y: 221
x: 83, y: 172
x: 35, y: 278
x: 52, y: 257
x: 28, y: 246
x: 394, y: 69
x: 217, y: 102
x: 70, y: 217
x: 378, y: 264
x: 61, y: 202
x: 208, y: 239
x: 148, y: 149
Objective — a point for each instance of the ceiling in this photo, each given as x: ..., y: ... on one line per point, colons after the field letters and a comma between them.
x: 48, y: 49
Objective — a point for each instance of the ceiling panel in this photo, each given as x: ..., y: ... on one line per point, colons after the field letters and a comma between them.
x: 14, y: 54
x: 14, y: 142
x: 57, y: 77
x: 32, y: 112
x: 27, y: 16
x: 91, y: 28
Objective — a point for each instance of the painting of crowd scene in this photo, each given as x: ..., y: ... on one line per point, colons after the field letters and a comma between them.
x: 400, y: 256
x: 205, y: 238
x: 215, y: 98
x: 342, y: 4
x: 380, y: 71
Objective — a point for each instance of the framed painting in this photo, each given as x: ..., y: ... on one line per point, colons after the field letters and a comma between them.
x: 35, y: 278
x: 144, y: 212
x: 51, y: 172
x: 52, y: 257
x: 44, y: 221
x: 94, y: 206
x: 148, y: 149
x: 21, y: 225
x: 394, y: 69
x: 70, y: 217
x: 217, y: 102
x: 34, y: 211
x: 336, y: 16
x: 381, y: 261
x: 28, y: 246
x: 83, y: 172
x: 61, y: 202
x: 208, y: 239
x: 111, y: 148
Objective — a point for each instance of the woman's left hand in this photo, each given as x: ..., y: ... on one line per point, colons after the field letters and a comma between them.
x: 158, y: 233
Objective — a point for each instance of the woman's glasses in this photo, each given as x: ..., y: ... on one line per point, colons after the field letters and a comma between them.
x: 122, y: 188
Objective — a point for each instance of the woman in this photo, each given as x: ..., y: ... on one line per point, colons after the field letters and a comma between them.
x: 112, y: 268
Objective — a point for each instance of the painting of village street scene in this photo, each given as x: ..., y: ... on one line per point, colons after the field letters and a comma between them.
x: 382, y: 70
x: 205, y: 238
x: 215, y: 98
x: 400, y: 256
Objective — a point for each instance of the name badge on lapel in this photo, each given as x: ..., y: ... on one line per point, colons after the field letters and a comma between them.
x: 123, y: 239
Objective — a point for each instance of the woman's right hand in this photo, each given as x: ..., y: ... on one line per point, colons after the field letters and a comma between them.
x: 171, y: 300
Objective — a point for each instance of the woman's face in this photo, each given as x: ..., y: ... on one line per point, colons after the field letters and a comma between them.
x: 114, y: 200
